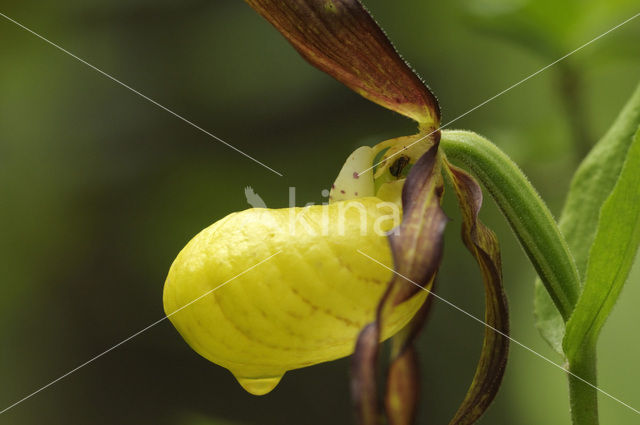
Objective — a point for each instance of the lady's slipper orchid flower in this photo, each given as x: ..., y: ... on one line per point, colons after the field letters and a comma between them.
x: 347, y: 275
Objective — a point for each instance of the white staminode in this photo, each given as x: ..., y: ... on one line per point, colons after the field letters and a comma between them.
x: 350, y: 184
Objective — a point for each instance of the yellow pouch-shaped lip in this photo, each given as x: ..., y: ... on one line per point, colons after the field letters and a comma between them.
x: 304, y: 306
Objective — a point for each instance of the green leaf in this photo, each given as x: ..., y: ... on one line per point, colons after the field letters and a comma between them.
x: 594, y: 180
x: 592, y: 184
x: 611, y: 257
x: 341, y: 38
x: 549, y: 322
x: 483, y: 245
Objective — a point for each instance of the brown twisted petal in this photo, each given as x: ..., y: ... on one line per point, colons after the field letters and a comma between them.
x: 341, y: 38
x: 417, y: 250
x: 403, y: 388
x: 403, y: 378
x: 364, y: 391
x: 483, y: 244
x: 417, y: 244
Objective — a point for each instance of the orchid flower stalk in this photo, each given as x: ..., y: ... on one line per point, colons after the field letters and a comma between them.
x: 348, y: 275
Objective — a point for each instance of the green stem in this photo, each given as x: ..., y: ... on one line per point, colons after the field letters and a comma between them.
x: 526, y: 212
x: 543, y: 243
x: 582, y: 396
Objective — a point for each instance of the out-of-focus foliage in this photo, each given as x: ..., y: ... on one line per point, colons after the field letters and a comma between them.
x: 203, y: 420
x: 553, y: 29
x: 549, y: 27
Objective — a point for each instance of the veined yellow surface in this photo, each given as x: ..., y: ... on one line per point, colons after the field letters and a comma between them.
x: 304, y: 306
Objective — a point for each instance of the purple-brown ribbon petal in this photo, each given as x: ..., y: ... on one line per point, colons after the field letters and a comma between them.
x: 417, y: 250
x: 364, y: 362
x: 403, y: 388
x: 403, y: 377
x: 483, y: 244
x: 417, y: 244
x: 341, y: 38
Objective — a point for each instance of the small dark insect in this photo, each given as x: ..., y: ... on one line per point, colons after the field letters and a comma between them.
x: 397, y: 167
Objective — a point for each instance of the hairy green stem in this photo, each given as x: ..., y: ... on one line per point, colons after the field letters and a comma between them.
x: 525, y: 211
x: 582, y: 396
x: 537, y: 231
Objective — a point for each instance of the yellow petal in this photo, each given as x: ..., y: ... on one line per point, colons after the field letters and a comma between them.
x: 304, y: 306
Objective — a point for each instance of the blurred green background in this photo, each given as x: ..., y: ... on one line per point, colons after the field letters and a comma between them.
x: 99, y: 190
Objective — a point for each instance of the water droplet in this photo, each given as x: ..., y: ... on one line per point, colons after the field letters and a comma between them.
x: 259, y: 386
